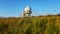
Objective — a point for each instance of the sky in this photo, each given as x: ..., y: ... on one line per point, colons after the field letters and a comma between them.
x: 14, y: 8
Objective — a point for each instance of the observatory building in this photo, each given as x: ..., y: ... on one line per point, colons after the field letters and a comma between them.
x: 27, y: 11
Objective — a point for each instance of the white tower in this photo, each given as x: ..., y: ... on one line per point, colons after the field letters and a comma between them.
x: 27, y: 11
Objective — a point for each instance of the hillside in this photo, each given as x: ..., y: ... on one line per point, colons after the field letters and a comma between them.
x: 30, y: 25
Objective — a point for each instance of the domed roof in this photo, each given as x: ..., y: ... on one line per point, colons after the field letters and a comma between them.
x: 27, y: 8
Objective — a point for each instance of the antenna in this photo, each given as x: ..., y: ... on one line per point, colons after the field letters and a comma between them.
x: 27, y: 1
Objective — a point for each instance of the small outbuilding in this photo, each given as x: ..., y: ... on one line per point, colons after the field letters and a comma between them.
x: 27, y: 11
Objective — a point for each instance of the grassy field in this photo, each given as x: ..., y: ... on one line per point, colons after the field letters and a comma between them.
x: 30, y: 25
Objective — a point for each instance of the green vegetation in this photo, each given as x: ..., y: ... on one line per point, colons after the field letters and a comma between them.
x: 31, y: 25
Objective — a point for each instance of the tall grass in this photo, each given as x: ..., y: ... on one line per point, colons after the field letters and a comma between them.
x: 32, y: 25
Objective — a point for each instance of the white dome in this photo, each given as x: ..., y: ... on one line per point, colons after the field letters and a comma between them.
x: 27, y: 8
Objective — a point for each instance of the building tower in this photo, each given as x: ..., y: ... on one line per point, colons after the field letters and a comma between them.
x: 27, y: 11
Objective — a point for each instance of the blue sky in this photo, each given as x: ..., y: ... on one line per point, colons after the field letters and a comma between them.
x: 14, y: 8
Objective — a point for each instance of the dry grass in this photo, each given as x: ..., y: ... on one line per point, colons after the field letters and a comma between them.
x: 30, y: 25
